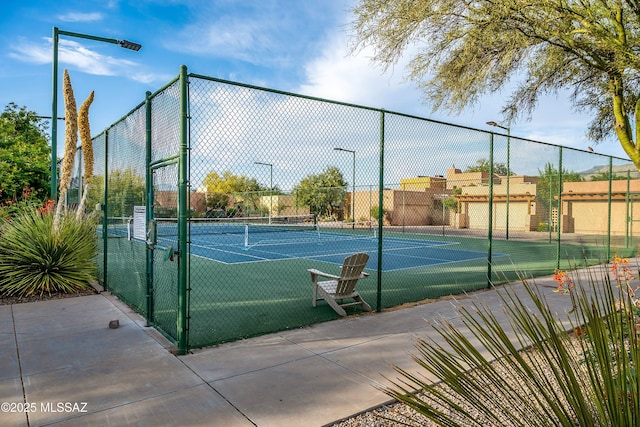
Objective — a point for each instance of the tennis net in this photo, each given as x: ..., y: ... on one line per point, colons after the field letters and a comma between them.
x: 249, y: 231
x: 168, y: 227
x: 119, y: 227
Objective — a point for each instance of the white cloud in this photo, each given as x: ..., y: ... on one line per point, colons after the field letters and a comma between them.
x: 80, y: 17
x: 234, y: 37
x: 31, y: 53
x: 76, y: 55
x: 232, y: 127
x: 270, y: 33
x: 334, y: 74
x: 89, y: 61
x: 149, y: 78
x: 338, y: 75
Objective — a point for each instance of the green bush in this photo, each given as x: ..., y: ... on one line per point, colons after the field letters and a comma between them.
x: 543, y: 226
x: 374, y: 212
x: 11, y: 208
x: 451, y: 203
x: 34, y: 260
x: 585, y: 378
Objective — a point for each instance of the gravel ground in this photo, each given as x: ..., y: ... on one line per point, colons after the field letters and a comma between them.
x: 4, y: 300
x: 383, y: 416
x: 398, y: 414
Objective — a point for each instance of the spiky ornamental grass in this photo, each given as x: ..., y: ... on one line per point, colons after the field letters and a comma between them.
x: 588, y: 378
x: 35, y: 261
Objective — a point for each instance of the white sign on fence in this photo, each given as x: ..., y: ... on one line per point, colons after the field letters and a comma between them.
x: 139, y: 222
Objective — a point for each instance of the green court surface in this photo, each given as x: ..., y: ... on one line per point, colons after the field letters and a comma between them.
x: 231, y: 301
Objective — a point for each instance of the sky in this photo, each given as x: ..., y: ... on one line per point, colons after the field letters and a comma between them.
x: 299, y: 46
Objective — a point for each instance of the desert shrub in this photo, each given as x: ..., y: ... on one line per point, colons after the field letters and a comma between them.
x: 543, y: 226
x: 35, y: 260
x: 580, y: 370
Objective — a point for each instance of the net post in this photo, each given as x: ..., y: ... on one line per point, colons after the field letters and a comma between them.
x: 316, y: 226
x: 246, y: 236
x: 130, y: 228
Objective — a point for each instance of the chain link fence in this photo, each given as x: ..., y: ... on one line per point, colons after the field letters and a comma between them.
x: 220, y: 196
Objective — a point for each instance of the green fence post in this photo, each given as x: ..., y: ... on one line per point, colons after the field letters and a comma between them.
x: 608, y: 251
x: 403, y: 209
x: 149, y: 206
x: 182, y: 319
x: 370, y: 203
x: 54, y: 117
x: 626, y: 207
x: 508, y: 179
x: 550, y: 205
x: 105, y: 212
x: 380, y: 213
x: 490, y: 235
x: 559, y: 209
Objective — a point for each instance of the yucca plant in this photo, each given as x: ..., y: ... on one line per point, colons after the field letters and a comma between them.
x: 578, y: 369
x: 34, y: 260
x: 70, y: 146
x: 87, y: 149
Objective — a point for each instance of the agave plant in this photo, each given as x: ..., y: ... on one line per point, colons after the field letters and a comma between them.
x: 34, y: 260
x: 577, y: 371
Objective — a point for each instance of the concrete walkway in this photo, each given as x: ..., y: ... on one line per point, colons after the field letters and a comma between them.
x: 62, y: 365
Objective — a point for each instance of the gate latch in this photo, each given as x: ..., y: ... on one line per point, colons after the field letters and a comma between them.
x: 171, y: 253
x: 152, y: 234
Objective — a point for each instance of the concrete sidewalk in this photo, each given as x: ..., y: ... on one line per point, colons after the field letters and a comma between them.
x: 63, y: 365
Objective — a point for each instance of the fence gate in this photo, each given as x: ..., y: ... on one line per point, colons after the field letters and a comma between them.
x: 166, y: 212
x: 163, y: 246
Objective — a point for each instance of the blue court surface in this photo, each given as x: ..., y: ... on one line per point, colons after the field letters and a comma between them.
x: 398, y: 253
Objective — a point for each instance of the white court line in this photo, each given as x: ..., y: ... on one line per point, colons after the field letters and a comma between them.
x: 318, y: 257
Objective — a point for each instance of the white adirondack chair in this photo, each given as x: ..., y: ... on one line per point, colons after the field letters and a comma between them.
x: 342, y: 287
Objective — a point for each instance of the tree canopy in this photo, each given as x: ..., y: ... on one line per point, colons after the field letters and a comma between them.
x: 483, y: 165
x: 220, y: 188
x: 606, y: 176
x: 466, y: 49
x: 547, y: 187
x: 24, y: 155
x: 126, y: 190
x: 322, y: 192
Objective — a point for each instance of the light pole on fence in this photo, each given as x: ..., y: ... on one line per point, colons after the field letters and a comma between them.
x: 508, y: 129
x: 54, y: 102
x: 270, y: 187
x: 353, y: 185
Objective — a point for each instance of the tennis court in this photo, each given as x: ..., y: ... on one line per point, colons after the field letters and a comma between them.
x: 201, y: 147
x: 235, y: 296
x: 252, y: 240
x: 249, y: 277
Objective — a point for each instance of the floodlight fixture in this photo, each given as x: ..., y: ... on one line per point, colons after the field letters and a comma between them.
x: 129, y: 45
x: 494, y: 124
